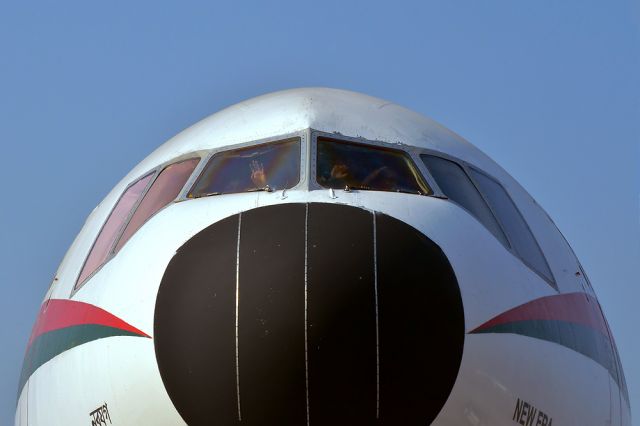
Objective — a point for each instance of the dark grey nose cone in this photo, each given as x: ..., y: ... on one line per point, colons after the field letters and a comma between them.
x: 316, y: 314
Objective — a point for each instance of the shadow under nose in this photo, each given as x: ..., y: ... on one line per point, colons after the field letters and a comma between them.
x: 316, y: 314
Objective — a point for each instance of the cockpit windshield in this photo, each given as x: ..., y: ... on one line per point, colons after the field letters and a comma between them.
x: 267, y: 167
x: 345, y: 165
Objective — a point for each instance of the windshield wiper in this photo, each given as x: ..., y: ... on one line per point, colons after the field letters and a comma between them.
x: 418, y: 192
x: 266, y: 188
x: 204, y: 194
x: 350, y: 188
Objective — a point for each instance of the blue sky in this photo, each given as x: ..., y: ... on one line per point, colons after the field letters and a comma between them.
x: 549, y: 89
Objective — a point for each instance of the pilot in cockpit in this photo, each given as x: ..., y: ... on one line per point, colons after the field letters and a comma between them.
x: 258, y: 176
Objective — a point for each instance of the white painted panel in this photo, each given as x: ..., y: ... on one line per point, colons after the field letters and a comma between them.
x: 21, y: 410
x: 625, y: 418
x: 118, y: 371
x: 497, y: 369
x: 616, y: 408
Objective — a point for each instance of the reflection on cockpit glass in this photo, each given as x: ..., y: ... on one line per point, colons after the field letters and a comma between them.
x: 263, y: 167
x: 344, y: 165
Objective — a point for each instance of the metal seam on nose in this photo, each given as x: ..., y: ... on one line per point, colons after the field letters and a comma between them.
x: 306, y: 345
x: 375, y: 287
x: 237, y: 312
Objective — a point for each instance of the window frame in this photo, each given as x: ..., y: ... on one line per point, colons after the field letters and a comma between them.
x: 466, y: 167
x: 308, y: 141
x: 133, y: 211
x: 204, y: 161
x: 154, y: 172
x: 484, y: 199
x: 410, y: 151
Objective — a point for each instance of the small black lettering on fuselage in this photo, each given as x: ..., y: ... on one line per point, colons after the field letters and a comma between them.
x: 527, y: 415
x: 100, y: 415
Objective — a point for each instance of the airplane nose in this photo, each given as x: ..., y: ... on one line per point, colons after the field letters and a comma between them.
x: 316, y: 314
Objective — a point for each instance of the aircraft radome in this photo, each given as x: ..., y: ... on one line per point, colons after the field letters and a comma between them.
x: 320, y: 257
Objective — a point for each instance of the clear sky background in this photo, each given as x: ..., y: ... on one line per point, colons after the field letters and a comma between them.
x: 549, y: 89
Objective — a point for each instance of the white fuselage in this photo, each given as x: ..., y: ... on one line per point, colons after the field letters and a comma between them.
x: 504, y: 377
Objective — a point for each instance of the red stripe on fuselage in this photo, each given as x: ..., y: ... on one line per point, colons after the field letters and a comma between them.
x: 578, y: 308
x: 60, y: 313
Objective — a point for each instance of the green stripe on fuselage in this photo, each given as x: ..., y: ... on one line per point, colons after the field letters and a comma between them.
x: 580, y: 338
x: 51, y: 344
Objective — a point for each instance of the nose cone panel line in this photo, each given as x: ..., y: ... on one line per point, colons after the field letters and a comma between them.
x: 309, y: 314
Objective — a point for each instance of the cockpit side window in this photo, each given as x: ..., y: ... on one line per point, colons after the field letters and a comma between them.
x: 490, y: 203
x: 343, y: 165
x: 141, y: 200
x: 457, y: 186
x: 164, y: 190
x: 514, y: 225
x: 271, y: 166
x: 112, y: 228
